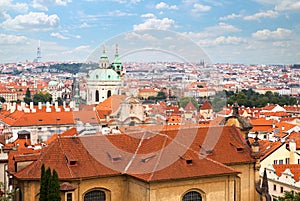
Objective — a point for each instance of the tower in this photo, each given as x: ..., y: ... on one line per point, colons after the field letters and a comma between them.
x: 38, y: 53
x: 103, y: 81
x: 117, y: 64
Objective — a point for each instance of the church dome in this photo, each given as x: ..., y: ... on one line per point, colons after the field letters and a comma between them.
x: 53, y: 83
x: 103, y: 75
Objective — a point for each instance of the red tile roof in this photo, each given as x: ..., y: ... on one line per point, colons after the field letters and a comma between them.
x: 294, y: 168
x: 40, y: 117
x: 146, y: 154
x: 206, y: 106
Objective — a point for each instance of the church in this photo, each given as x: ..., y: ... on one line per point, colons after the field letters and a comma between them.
x: 106, y: 80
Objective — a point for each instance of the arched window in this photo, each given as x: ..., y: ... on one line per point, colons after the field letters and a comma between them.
x: 108, y: 93
x: 97, y: 96
x: 95, y: 195
x: 192, y: 196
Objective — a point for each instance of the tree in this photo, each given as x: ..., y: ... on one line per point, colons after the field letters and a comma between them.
x: 43, y: 184
x: 54, y: 192
x: 2, y: 100
x: 289, y: 196
x: 185, y: 100
x: 27, y: 98
x: 49, y: 185
x: 41, y: 97
x: 161, y: 95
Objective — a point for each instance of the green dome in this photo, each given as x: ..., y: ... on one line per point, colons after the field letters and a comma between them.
x: 52, y: 83
x: 104, y: 75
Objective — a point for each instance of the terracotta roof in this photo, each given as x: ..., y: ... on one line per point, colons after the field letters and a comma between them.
x: 40, y: 117
x: 294, y: 168
x: 109, y: 105
x: 206, y: 106
x: 146, y: 154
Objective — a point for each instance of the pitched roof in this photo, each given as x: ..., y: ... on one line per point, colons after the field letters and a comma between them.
x: 294, y: 168
x: 149, y: 155
x: 40, y: 117
x: 206, y: 106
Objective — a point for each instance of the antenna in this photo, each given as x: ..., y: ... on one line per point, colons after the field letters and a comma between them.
x: 38, y: 53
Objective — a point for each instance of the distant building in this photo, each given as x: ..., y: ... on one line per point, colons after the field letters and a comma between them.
x: 105, y: 80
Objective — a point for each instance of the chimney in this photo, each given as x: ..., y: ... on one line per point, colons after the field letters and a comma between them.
x: 31, y: 105
x: 13, y: 107
x: 39, y: 105
x: 292, y: 147
x: 282, y: 128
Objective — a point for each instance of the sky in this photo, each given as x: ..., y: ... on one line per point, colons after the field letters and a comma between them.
x: 229, y: 31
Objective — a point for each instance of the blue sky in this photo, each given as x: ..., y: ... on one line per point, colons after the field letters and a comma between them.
x: 236, y: 31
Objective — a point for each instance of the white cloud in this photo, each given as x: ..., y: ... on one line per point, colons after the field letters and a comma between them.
x: 142, y: 37
x: 84, y: 25
x: 230, y: 17
x: 148, y: 15
x: 163, y: 5
x: 12, y: 39
x: 58, y: 35
x: 288, y: 5
x: 155, y: 23
x: 267, y: 14
x: 223, y: 40
x: 200, y: 8
x: 281, y: 43
x: 278, y: 34
x: 79, y: 49
x: 119, y: 13
x: 213, y: 31
x: 43, y: 4
x: 6, y: 5
x: 34, y: 21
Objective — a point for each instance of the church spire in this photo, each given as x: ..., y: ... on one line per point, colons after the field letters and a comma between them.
x: 104, y: 62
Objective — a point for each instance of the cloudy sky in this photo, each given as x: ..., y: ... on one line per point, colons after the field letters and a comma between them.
x: 231, y: 31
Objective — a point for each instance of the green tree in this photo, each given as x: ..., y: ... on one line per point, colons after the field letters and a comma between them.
x: 42, y: 97
x: 289, y: 196
x: 54, y: 192
x: 43, y: 184
x: 49, y: 185
x: 161, y: 95
x: 27, y: 98
x: 185, y: 100
x: 2, y: 100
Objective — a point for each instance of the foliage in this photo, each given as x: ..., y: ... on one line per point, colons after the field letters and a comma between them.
x: 54, y: 192
x: 160, y: 96
x: 60, y: 101
x: 8, y: 195
x: 185, y: 100
x: 42, y: 97
x: 49, y: 185
x: 2, y: 99
x: 250, y: 98
x: 27, y: 98
x: 289, y: 196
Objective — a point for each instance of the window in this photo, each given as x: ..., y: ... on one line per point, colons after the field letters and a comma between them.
x: 274, y: 187
x: 281, y: 189
x: 280, y: 161
x: 95, y: 195
x: 192, y: 196
x: 275, y: 162
x: 287, y: 161
x: 108, y: 93
x: 69, y: 197
x: 298, y: 161
x: 97, y: 96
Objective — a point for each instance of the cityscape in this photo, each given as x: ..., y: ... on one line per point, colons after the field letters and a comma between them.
x: 200, y: 106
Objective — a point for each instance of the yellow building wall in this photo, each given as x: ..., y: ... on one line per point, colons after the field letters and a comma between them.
x: 248, y: 192
x: 212, y: 189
